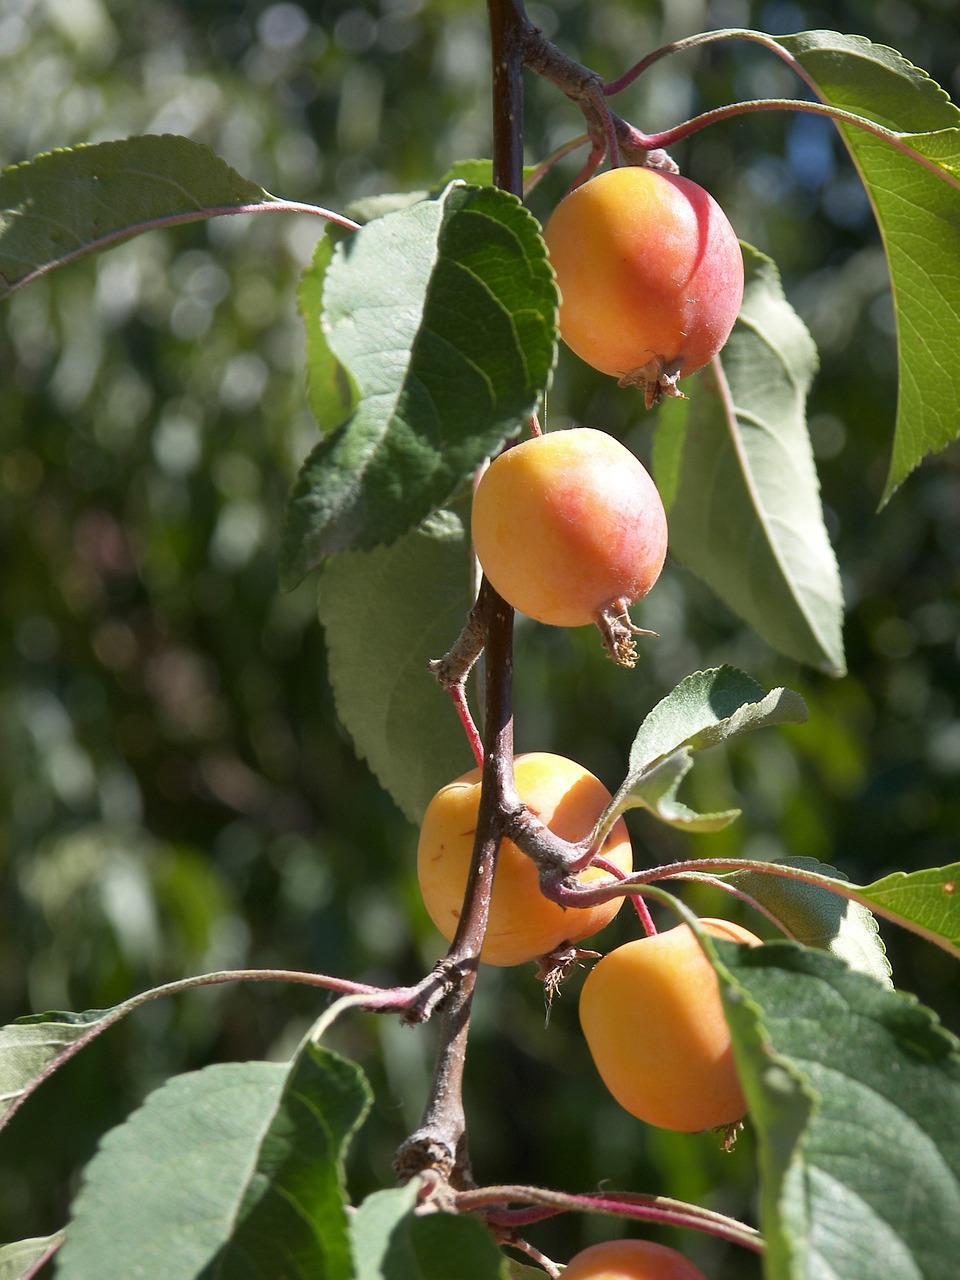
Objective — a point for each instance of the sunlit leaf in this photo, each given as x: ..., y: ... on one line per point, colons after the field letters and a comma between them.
x: 33, y: 1047
x: 818, y: 916
x: 923, y: 901
x: 854, y: 1091
x: 917, y: 205
x: 704, y: 710
x: 928, y: 901
x: 655, y: 789
x: 69, y: 202
x: 381, y: 1247
x: 21, y: 1260
x: 735, y: 468
x: 236, y: 1170
x: 710, y: 707
x: 443, y: 313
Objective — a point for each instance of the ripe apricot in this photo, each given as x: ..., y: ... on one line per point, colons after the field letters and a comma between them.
x: 654, y: 1022
x: 650, y: 275
x: 570, y: 529
x: 631, y: 1260
x: 523, y: 924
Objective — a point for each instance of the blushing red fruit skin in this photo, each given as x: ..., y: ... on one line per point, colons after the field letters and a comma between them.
x: 631, y: 1260
x: 648, y: 267
x: 653, y: 1020
x: 568, y: 524
x: 523, y: 924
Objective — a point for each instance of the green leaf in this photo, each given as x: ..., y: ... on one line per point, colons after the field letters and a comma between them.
x: 927, y: 901
x: 366, y: 208
x: 328, y: 385
x: 390, y: 1242
x: 520, y: 1271
x: 854, y: 1091
x: 455, y: 1245
x: 444, y: 314
x: 710, y: 707
x: 923, y: 901
x: 381, y: 1244
x: 234, y: 1171
x: 818, y: 916
x: 705, y: 709
x: 917, y: 205
x: 735, y: 468
x: 33, y: 1047
x: 66, y: 203
x: 655, y: 789
x: 18, y: 1261
x: 386, y: 613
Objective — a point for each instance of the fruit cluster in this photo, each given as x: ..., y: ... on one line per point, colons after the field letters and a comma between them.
x: 659, y: 992
x: 569, y: 529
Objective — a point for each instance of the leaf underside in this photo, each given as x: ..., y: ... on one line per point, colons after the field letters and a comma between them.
x: 704, y: 710
x: 443, y: 313
x: 818, y: 916
x: 386, y: 613
x: 735, y: 468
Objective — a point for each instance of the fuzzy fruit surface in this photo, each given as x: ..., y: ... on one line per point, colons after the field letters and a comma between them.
x: 654, y: 1023
x: 631, y: 1260
x: 649, y: 268
x: 523, y: 924
x: 569, y: 524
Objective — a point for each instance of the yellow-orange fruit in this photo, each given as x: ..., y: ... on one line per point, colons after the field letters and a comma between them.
x: 523, y: 924
x: 654, y: 1022
x: 569, y: 526
x: 631, y: 1260
x: 650, y: 275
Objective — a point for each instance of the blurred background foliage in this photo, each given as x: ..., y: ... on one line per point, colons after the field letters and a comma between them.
x: 175, y: 792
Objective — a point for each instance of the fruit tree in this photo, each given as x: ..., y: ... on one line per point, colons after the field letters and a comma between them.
x: 480, y: 727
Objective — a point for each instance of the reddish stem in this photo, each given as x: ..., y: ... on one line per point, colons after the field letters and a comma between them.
x: 642, y: 910
x: 494, y: 1203
x: 458, y: 694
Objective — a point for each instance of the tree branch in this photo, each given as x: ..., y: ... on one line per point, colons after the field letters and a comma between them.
x: 440, y: 1143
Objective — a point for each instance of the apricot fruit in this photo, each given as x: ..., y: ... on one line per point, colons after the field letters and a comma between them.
x: 653, y: 1020
x: 523, y: 924
x: 650, y: 275
x: 570, y: 529
x: 631, y: 1260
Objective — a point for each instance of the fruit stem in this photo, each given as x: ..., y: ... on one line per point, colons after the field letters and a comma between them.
x: 495, y: 1203
x: 608, y: 132
x: 545, y: 165
x: 641, y: 908
x: 458, y: 694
